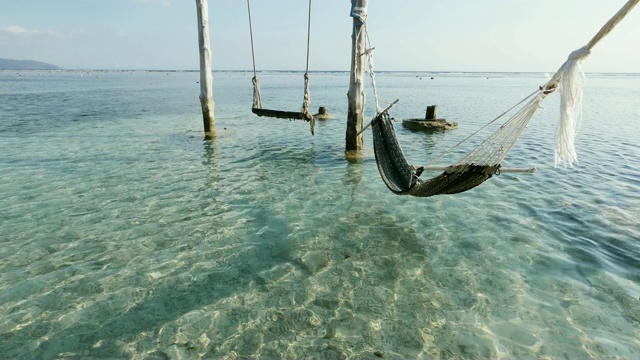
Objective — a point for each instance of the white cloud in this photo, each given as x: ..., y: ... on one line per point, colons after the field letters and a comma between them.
x: 19, y: 31
x: 13, y: 30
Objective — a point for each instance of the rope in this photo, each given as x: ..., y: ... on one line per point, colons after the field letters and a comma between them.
x: 306, y: 102
x: 305, y: 105
x: 568, y: 79
x: 257, y: 100
x: 253, y: 56
x: 482, y: 128
x: 361, y: 15
x: 606, y: 29
x: 368, y: 52
x: 494, y: 149
x: 308, y: 36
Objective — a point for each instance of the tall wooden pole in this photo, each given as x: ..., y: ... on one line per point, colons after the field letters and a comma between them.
x: 206, y: 78
x: 355, y: 115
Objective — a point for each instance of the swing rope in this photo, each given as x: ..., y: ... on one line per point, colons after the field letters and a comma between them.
x: 305, y: 113
x: 306, y: 102
x: 257, y: 100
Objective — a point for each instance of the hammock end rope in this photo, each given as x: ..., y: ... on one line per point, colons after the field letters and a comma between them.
x: 570, y: 108
x: 571, y: 91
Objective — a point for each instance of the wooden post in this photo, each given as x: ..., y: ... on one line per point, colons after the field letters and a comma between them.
x: 432, y: 112
x: 206, y: 78
x: 356, y: 93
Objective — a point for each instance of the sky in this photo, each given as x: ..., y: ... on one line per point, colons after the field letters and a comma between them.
x: 408, y: 35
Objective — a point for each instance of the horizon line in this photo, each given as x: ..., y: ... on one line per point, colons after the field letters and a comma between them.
x: 319, y: 71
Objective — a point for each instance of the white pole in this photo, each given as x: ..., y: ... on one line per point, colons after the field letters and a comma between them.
x: 206, y: 78
x: 355, y: 114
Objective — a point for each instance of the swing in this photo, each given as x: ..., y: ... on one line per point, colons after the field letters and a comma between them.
x: 304, y: 113
x: 484, y: 161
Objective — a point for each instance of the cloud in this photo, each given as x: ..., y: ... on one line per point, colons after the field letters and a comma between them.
x: 13, y: 30
x: 19, y: 31
x: 164, y: 3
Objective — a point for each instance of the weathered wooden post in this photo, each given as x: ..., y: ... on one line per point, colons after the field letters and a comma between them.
x: 355, y: 115
x: 432, y: 112
x: 206, y: 78
x: 430, y: 121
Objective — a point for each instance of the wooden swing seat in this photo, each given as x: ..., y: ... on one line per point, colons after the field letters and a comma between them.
x: 279, y: 114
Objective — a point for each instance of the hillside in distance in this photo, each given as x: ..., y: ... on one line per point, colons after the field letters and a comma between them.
x: 9, y: 64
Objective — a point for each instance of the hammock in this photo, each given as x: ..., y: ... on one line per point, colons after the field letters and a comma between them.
x: 483, y: 162
x: 403, y: 178
x: 304, y: 113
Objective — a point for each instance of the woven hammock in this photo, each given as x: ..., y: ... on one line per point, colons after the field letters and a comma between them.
x: 484, y: 161
x: 403, y: 178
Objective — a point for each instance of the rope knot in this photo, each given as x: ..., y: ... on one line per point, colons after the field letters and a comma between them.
x: 580, y: 54
x: 359, y: 13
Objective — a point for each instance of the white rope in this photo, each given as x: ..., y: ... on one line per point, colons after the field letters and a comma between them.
x: 369, y: 54
x: 568, y: 79
x: 306, y: 101
x: 580, y: 54
x: 474, y: 156
x: 360, y: 13
x: 570, y: 110
x: 494, y: 149
x: 257, y: 100
x: 306, y: 113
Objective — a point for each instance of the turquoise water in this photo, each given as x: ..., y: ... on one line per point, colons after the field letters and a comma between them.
x: 125, y: 234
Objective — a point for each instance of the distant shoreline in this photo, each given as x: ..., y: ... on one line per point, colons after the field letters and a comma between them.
x: 424, y: 72
x: 11, y: 64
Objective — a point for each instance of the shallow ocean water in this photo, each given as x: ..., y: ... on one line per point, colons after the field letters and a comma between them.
x: 125, y: 234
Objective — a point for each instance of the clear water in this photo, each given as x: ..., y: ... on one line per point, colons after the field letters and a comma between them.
x: 125, y: 234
